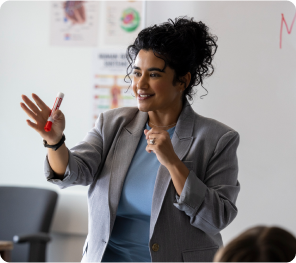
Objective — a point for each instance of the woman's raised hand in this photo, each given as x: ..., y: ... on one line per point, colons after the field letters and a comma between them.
x: 40, y: 116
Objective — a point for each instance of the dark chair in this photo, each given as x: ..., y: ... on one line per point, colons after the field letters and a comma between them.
x: 25, y: 218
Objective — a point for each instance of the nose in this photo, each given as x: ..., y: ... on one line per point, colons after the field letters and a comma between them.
x: 142, y: 83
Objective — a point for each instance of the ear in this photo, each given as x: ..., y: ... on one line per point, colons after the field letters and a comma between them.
x: 186, y: 78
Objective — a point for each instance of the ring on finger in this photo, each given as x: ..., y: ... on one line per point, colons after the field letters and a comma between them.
x: 152, y: 141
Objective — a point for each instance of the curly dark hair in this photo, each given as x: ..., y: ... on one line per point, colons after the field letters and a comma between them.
x: 184, y: 45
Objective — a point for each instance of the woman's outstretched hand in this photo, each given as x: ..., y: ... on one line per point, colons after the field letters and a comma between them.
x: 40, y: 116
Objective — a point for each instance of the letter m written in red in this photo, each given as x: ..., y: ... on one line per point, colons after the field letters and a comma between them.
x: 289, y: 30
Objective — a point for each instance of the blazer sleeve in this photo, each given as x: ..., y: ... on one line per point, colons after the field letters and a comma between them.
x: 84, y: 160
x: 210, y: 204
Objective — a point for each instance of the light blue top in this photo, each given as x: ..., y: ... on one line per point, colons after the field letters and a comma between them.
x: 129, y: 241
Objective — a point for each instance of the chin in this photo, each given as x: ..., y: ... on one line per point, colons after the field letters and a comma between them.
x: 144, y: 109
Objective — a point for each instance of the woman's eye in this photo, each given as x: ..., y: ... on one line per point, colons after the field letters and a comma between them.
x: 135, y: 73
x: 154, y: 75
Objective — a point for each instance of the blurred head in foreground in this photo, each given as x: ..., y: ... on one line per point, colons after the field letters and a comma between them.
x: 259, y: 244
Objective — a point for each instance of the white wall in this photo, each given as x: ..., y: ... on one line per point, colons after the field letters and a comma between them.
x: 252, y: 90
x: 29, y: 64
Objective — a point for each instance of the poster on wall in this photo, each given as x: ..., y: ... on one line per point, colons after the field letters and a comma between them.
x: 123, y: 21
x: 109, y: 90
x: 74, y: 23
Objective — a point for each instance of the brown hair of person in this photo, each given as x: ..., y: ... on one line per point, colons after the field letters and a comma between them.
x: 259, y: 244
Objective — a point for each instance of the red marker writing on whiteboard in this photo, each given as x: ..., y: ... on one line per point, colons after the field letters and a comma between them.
x: 55, y: 107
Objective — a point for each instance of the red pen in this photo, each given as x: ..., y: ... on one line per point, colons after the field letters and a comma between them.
x: 56, y: 106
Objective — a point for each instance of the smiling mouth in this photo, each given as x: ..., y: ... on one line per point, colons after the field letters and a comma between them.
x: 145, y: 96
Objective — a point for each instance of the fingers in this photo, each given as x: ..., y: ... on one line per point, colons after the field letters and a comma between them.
x: 57, y: 114
x: 29, y: 113
x: 148, y: 150
x: 31, y: 124
x: 152, y: 131
x: 31, y: 105
x: 40, y: 103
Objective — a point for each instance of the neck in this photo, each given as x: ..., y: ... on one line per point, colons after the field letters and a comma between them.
x: 164, y: 120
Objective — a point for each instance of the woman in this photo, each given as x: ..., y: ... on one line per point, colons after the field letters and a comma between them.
x: 163, y: 179
x: 259, y: 244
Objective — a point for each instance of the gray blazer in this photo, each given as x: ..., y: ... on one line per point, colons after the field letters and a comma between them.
x: 182, y: 228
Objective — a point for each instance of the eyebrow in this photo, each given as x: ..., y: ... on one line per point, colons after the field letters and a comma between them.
x: 150, y: 69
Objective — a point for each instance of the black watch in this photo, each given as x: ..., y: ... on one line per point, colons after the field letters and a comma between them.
x: 56, y: 146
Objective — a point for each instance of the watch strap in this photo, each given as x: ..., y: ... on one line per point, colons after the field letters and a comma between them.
x: 56, y: 146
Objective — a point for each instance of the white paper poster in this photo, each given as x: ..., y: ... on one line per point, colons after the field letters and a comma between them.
x: 74, y: 23
x: 123, y: 21
x: 109, y: 90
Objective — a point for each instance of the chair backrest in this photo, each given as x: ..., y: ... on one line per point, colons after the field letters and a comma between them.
x: 25, y: 210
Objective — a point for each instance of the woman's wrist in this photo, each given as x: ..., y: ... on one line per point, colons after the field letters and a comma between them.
x: 179, y: 173
x: 177, y: 166
x: 55, y: 146
x: 54, y: 142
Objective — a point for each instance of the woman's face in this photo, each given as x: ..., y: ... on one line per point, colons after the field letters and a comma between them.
x: 156, y: 87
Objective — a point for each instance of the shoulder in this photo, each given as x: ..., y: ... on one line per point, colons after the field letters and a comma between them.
x: 203, y: 124
x: 220, y: 132
x: 212, y: 130
x: 120, y: 113
x: 116, y: 117
x: 212, y: 124
x: 214, y: 134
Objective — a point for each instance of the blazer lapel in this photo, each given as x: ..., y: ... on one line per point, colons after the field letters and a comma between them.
x: 181, y: 141
x: 124, y: 151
